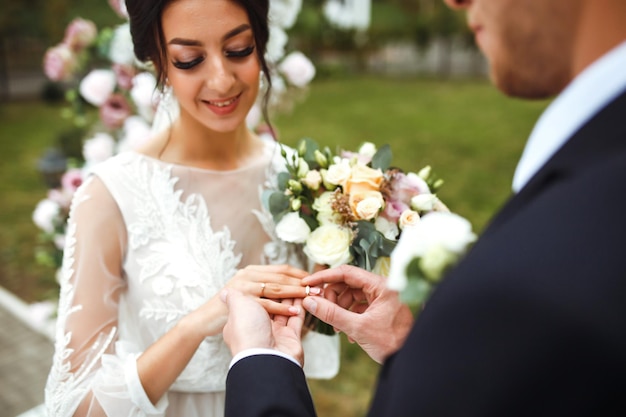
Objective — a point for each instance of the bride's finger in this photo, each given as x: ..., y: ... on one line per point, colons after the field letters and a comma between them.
x: 286, y: 270
x: 279, y: 291
x: 280, y: 319
x: 278, y: 308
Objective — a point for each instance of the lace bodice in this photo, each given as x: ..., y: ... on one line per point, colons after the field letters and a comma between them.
x: 147, y: 243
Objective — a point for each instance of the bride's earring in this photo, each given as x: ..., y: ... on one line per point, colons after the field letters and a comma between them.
x: 165, y: 96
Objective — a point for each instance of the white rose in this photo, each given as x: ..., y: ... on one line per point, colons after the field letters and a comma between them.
x: 448, y: 229
x: 136, y: 133
x: 45, y: 213
x: 423, y: 202
x: 292, y: 228
x: 298, y: 69
x: 329, y: 245
x: 312, y: 179
x: 408, y: 218
x: 278, y: 89
x: 338, y: 173
x: 283, y: 13
x: 275, y: 48
x: 388, y: 229
x: 98, y: 148
x: 97, y: 86
x: 368, y: 149
x: 144, y: 95
x: 323, y: 206
x: 434, y: 233
x: 435, y: 261
x: 369, y: 207
x: 121, y: 48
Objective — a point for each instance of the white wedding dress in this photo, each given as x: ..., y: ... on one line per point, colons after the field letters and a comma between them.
x: 147, y: 243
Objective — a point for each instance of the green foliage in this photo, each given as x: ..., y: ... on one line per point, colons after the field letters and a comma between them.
x: 382, y: 158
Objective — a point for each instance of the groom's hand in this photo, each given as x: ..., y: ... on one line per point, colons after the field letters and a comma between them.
x: 249, y: 326
x: 359, y: 304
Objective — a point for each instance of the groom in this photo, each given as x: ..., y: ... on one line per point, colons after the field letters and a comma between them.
x: 533, y: 321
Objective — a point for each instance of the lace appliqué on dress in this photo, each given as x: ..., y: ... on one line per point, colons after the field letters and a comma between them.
x: 65, y: 389
x: 181, y: 260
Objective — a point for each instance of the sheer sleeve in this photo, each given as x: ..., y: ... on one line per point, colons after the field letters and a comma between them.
x: 87, y: 367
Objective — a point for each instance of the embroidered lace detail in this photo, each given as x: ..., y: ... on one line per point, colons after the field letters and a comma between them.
x: 65, y: 389
x: 182, y: 262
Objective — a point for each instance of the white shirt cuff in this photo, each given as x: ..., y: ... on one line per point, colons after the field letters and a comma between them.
x: 261, y: 351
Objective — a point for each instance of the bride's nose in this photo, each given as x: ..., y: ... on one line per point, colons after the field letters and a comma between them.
x: 219, y: 77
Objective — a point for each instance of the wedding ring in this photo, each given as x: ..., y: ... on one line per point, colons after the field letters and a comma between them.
x: 262, y: 289
x: 307, y: 290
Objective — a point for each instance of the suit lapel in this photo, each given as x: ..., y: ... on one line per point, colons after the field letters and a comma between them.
x: 603, y: 136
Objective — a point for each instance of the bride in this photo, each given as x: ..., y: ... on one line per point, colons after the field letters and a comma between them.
x: 155, y: 234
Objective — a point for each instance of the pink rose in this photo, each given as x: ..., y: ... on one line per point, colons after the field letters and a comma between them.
x: 59, y: 63
x: 61, y: 198
x: 297, y: 68
x: 80, y: 33
x: 71, y: 180
x: 124, y: 75
x: 97, y: 86
x: 406, y: 186
x: 393, y: 210
x: 114, y: 111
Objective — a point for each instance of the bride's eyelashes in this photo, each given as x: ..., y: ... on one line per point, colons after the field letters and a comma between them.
x: 241, y: 53
x: 185, y: 65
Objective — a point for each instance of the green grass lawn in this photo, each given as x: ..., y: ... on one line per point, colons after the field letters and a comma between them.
x: 468, y: 132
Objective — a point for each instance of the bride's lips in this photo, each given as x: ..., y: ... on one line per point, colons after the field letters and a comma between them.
x: 223, y: 107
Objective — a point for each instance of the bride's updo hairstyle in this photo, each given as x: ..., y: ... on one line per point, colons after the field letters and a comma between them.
x: 149, y: 42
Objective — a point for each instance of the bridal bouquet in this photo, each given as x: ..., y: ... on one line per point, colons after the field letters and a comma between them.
x: 353, y: 207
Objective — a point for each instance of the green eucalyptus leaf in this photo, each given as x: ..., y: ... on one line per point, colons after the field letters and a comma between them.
x: 283, y: 179
x: 416, y: 292
x: 382, y: 158
x: 278, y: 203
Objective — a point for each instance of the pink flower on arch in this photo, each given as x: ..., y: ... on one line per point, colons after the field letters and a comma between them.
x: 80, y: 33
x: 59, y: 63
x: 71, y: 180
x: 114, y: 111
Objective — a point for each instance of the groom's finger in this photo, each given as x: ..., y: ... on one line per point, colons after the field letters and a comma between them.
x: 330, y: 313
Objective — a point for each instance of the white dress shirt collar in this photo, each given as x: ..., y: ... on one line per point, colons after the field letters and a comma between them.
x: 586, y: 95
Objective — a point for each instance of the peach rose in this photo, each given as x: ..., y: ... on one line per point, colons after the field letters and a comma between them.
x: 366, y: 205
x: 363, y: 178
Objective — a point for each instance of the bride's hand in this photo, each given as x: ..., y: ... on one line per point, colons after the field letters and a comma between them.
x: 267, y: 284
x: 270, y: 284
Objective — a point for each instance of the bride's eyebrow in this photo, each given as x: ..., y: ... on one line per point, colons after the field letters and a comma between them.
x: 230, y: 34
x: 239, y: 29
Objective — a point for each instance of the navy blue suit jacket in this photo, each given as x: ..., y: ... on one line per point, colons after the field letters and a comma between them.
x: 531, y: 323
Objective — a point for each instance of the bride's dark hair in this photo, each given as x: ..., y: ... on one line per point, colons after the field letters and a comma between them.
x: 149, y: 42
